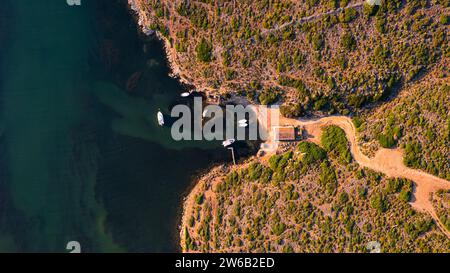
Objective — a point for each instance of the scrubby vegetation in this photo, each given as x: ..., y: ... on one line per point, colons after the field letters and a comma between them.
x: 335, y: 142
x: 344, y: 59
x: 441, y: 202
x: 386, y: 66
x: 203, y: 50
x: 256, y: 211
x: 324, y: 62
x: 417, y: 122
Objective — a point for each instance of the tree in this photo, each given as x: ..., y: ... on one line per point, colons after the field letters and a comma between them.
x: 312, y: 152
x: 348, y: 15
x: 444, y: 19
x: 267, y: 97
x: 318, y: 42
x: 335, y: 142
x: 328, y: 178
x: 204, y: 51
x: 379, y: 202
x: 386, y: 140
x: 370, y: 10
x: 348, y: 42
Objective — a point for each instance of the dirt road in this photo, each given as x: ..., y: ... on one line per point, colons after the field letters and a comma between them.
x: 386, y: 161
x: 310, y: 18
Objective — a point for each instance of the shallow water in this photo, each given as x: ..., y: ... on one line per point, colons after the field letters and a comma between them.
x: 82, y: 159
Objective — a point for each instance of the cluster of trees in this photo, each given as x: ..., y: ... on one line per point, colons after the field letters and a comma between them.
x: 419, y: 124
x: 268, y: 96
x: 311, y: 152
x: 418, y: 227
x: 262, y: 217
x: 196, y: 14
x: 336, y: 144
x: 442, y: 197
x: 292, y: 110
x: 348, y: 42
x: 254, y: 208
x: 328, y: 178
x: 348, y: 15
x: 413, y: 155
x: 204, y: 51
x: 344, y: 91
x: 379, y: 202
x: 402, y: 186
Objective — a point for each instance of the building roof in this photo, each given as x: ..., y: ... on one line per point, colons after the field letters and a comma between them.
x: 284, y: 133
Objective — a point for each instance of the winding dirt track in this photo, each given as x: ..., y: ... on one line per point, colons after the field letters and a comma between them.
x: 310, y: 18
x: 387, y: 161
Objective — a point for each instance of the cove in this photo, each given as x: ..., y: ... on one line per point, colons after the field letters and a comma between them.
x: 82, y: 157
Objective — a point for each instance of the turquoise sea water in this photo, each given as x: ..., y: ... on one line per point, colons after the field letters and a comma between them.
x: 82, y: 158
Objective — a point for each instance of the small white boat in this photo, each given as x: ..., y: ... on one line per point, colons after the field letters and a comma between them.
x: 185, y: 94
x: 160, y: 118
x: 228, y: 142
x: 242, y: 121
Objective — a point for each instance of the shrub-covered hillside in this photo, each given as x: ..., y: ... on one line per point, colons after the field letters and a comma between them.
x: 306, y: 200
x: 332, y: 56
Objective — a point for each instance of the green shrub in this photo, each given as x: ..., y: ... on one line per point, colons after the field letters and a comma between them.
x: 328, y: 178
x: 199, y: 199
x: 318, y: 42
x: 312, y: 152
x: 418, y: 227
x: 405, y: 196
x: 380, y: 24
x: 266, y: 175
x: 291, y: 194
x: 386, y: 140
x: 335, y: 142
x: 282, y: 163
x: 267, y: 97
x: 273, y: 162
x: 292, y: 110
x: 407, y: 190
x: 204, y: 51
x: 412, y: 155
x: 343, y: 198
x: 358, y: 122
x: 394, y: 185
x: 348, y: 15
x: 348, y: 42
x: 255, y: 171
x: 189, y: 243
x: 370, y: 10
x: 320, y: 104
x: 379, y: 202
x: 444, y: 19
x: 278, y: 228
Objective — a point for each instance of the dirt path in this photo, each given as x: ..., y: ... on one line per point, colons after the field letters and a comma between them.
x: 387, y: 161
x: 310, y: 18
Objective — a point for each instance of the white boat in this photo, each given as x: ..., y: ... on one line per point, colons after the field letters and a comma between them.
x: 242, y: 121
x: 160, y: 118
x: 185, y: 94
x: 228, y: 142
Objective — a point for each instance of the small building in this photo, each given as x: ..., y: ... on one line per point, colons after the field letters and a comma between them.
x: 285, y: 133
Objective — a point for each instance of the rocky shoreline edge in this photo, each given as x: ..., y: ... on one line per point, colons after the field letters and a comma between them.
x: 201, y: 181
